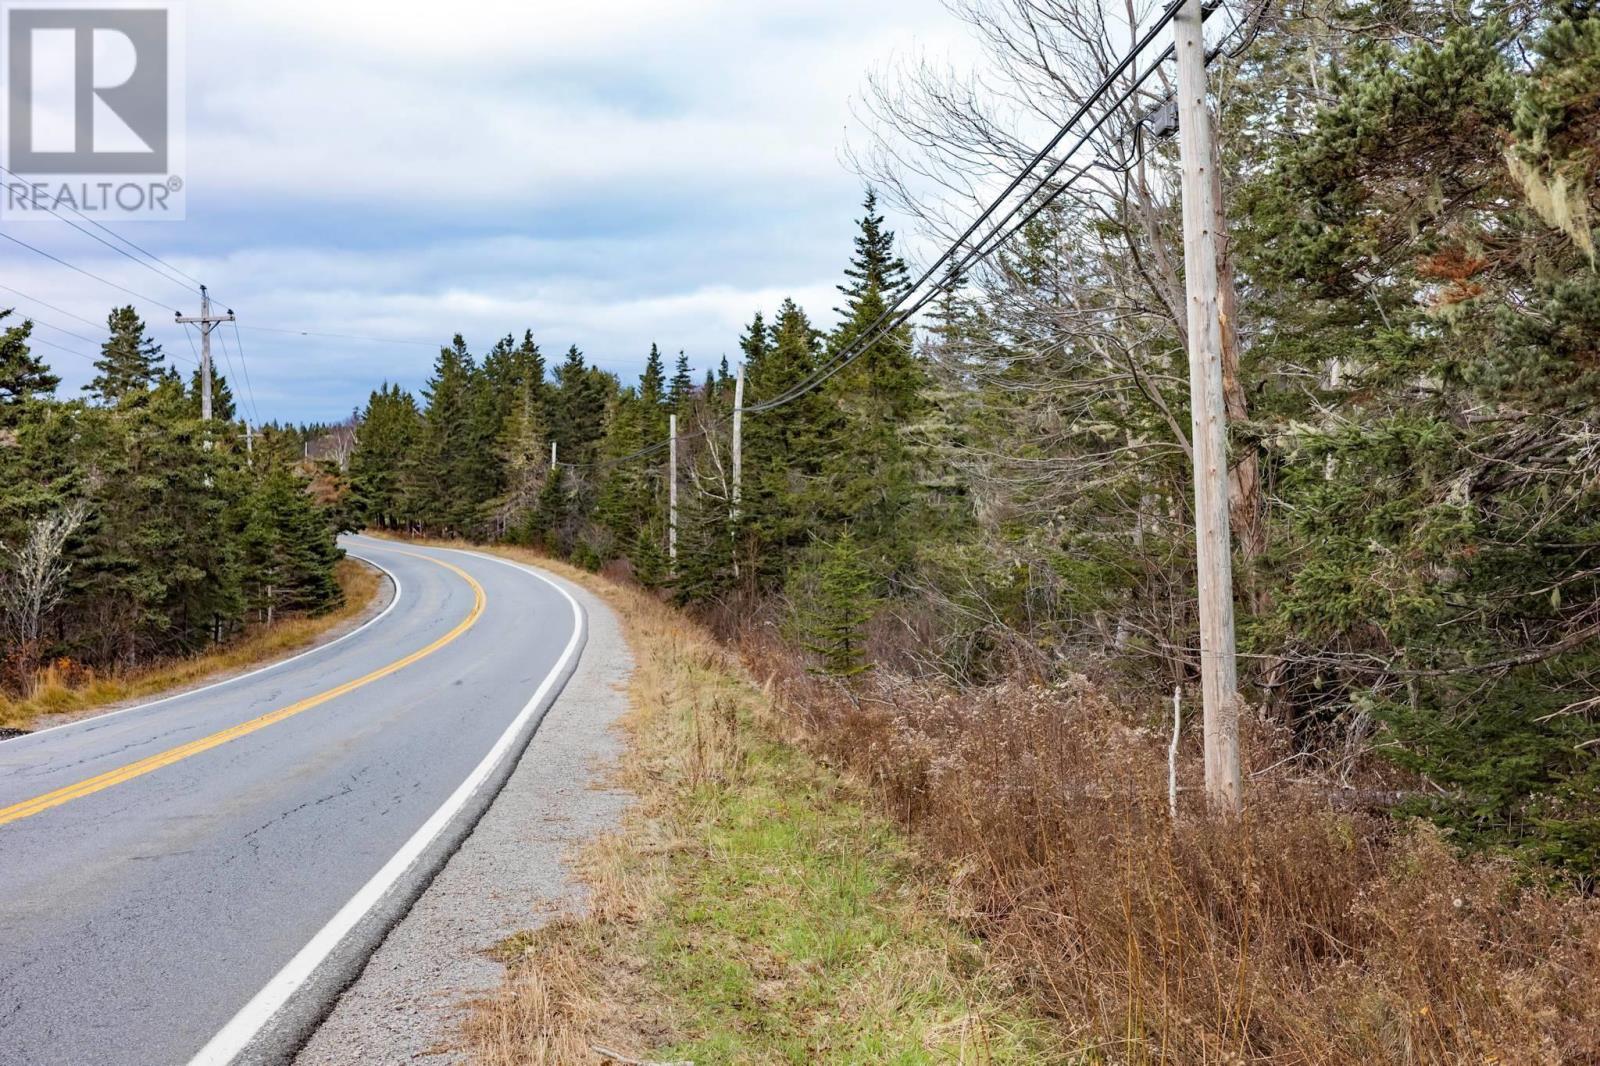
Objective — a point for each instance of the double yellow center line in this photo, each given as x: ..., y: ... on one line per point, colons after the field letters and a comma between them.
x: 27, y: 808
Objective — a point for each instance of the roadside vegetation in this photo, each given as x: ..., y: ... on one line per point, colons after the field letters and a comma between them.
x: 140, y: 544
x: 66, y: 687
x: 963, y: 562
x: 752, y: 908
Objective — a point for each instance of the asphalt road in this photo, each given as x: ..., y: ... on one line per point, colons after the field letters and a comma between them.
x: 193, y: 880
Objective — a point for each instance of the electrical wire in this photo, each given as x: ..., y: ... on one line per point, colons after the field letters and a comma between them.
x: 60, y: 348
x: 99, y: 226
x: 998, y: 235
x: 51, y: 325
x: 87, y: 274
x: 244, y: 366
x: 343, y: 336
x: 53, y: 307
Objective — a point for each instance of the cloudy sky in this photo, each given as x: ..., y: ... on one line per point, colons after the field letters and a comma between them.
x: 608, y: 173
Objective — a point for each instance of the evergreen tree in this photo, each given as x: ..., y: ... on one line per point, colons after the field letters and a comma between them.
x: 834, y: 611
x: 450, y: 479
x: 579, y: 405
x: 130, y: 363
x: 681, y: 388
x: 781, y: 450
x: 871, y: 478
x: 24, y: 378
x: 223, y: 408
x: 289, y: 553
x: 380, y: 467
x: 876, y: 270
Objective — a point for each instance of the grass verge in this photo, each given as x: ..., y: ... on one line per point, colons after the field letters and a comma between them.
x: 750, y: 909
x: 69, y: 690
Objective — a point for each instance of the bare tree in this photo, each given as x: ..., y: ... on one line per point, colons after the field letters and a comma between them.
x: 34, y: 575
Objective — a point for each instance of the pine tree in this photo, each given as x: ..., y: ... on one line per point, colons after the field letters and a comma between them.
x: 681, y: 389
x: 578, y: 407
x: 781, y: 453
x: 24, y: 378
x: 524, y: 454
x: 836, y: 607
x: 876, y: 269
x: 223, y: 408
x: 289, y: 551
x: 870, y: 477
x: 130, y: 363
x: 390, y: 428
x: 451, y: 482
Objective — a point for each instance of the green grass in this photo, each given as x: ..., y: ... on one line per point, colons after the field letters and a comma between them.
x: 752, y: 910
x: 796, y: 932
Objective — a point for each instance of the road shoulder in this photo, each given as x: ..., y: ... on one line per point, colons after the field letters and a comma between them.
x: 509, y: 874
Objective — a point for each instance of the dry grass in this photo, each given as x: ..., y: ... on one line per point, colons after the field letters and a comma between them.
x: 1296, y: 935
x: 68, y: 688
x: 750, y: 910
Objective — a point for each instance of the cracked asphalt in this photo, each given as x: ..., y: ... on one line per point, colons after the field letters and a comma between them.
x: 137, y: 919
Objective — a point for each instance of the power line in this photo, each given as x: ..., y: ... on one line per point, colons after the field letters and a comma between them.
x: 997, y: 239
x: 99, y: 226
x: 998, y: 234
x: 87, y: 274
x: 53, y: 307
x: 60, y: 348
x: 190, y: 338
x: 248, y: 388
x: 343, y: 336
x: 246, y: 398
x: 51, y: 325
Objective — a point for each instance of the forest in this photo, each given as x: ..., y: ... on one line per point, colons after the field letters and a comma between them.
x: 1006, y: 491
x: 131, y: 531
x: 966, y: 561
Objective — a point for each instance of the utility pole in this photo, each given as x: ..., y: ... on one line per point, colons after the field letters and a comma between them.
x: 207, y: 322
x: 672, y: 490
x: 552, y: 455
x: 1218, y: 670
x: 738, y: 439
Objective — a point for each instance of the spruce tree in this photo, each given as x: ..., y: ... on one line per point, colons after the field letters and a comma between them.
x: 835, y: 608
x: 130, y: 363
x: 681, y: 388
x: 578, y: 404
x: 223, y: 407
x: 870, y: 477
x: 390, y: 428
x: 454, y: 476
x: 24, y: 378
x: 875, y: 268
x: 782, y: 458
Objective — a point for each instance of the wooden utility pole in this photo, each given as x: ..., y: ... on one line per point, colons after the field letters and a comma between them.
x: 672, y: 489
x: 1218, y: 670
x: 738, y: 439
x: 207, y: 322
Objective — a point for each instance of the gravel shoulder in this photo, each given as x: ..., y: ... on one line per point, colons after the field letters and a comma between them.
x: 510, y: 875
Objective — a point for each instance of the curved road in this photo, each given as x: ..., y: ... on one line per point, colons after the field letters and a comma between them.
x: 193, y: 880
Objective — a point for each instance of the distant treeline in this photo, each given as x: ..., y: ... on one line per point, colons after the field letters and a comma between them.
x: 1412, y: 370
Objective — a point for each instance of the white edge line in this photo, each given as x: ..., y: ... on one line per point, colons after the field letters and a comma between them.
x: 94, y: 719
x: 254, y: 1015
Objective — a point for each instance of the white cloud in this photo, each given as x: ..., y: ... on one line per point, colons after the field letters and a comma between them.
x: 609, y: 174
